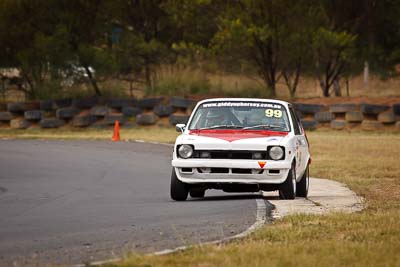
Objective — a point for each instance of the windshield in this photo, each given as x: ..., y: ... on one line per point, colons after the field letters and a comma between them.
x: 241, y: 115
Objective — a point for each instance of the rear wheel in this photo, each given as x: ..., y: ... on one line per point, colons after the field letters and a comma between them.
x: 179, y: 190
x: 287, y: 190
x: 197, y: 192
x: 303, y: 184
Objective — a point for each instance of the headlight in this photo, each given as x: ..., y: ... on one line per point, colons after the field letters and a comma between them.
x: 185, y: 151
x: 276, y: 153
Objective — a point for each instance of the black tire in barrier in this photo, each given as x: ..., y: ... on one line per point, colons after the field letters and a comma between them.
x: 309, y: 124
x: 110, y: 119
x: 387, y: 117
x: 62, y: 103
x: 324, y: 116
x: 354, y: 116
x: 99, y: 111
x: 51, y: 123
x: 46, y: 105
x: 369, y: 109
x: 163, y: 110
x: 83, y: 121
x: 66, y: 113
x: 85, y: 103
x: 17, y: 107
x: 175, y: 119
x: 396, y: 109
x: 343, y: 108
x: 33, y: 115
x: 131, y: 111
x: 308, y: 108
x: 179, y: 102
x: 370, y: 125
x: 149, y: 103
x: 338, y: 124
x: 5, y: 116
x: 120, y: 103
x: 19, y: 124
x: 146, y: 119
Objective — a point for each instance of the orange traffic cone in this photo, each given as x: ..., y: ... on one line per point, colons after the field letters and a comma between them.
x: 115, y: 136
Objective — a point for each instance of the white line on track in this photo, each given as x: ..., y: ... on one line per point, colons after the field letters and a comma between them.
x: 261, y: 217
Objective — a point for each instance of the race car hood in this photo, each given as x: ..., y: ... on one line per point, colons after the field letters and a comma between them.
x: 233, y: 139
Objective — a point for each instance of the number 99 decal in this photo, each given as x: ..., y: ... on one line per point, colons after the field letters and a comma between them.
x: 276, y: 113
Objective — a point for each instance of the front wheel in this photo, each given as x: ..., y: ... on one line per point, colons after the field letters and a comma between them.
x: 197, y: 192
x: 179, y: 190
x: 287, y: 190
x: 303, y: 184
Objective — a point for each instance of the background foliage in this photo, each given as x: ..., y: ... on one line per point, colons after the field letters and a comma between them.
x: 56, y: 44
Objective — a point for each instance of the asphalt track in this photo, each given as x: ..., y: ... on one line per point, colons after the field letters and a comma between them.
x: 70, y: 202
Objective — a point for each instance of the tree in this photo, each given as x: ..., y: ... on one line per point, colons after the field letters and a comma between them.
x: 272, y: 35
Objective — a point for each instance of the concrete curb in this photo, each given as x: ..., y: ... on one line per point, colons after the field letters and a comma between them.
x: 324, y: 196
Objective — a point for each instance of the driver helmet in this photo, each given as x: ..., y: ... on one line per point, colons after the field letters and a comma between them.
x: 215, y: 117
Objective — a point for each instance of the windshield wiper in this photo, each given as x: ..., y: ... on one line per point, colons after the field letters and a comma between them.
x: 222, y: 126
x: 265, y: 126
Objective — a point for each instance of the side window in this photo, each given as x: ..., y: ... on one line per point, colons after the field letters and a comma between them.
x: 296, y: 126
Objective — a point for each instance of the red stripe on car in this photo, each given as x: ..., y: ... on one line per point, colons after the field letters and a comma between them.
x: 233, y: 135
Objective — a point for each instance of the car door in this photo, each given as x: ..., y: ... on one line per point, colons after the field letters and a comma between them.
x: 300, y: 143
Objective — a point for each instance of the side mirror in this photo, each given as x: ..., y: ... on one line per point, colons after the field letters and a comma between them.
x: 180, y: 127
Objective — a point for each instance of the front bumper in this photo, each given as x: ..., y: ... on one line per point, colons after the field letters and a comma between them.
x: 189, y: 171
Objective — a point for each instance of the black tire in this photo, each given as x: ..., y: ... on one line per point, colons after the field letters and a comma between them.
x: 179, y: 102
x: 177, y: 118
x: 343, y: 108
x: 99, y: 111
x: 146, y: 119
x: 309, y: 124
x: 354, y: 116
x: 17, y: 107
x: 287, y: 190
x: 62, y: 103
x: 33, y: 115
x: 5, y: 116
x: 396, y: 108
x: 369, y: 109
x: 19, y: 124
x: 149, y: 103
x: 120, y: 103
x: 83, y: 121
x: 51, y: 123
x: 46, y: 105
x: 197, y: 192
x: 179, y: 190
x: 324, y: 116
x: 303, y: 184
x: 308, y: 108
x: 110, y: 119
x: 338, y: 124
x: 66, y: 113
x: 85, y: 103
x: 131, y: 111
x: 163, y: 110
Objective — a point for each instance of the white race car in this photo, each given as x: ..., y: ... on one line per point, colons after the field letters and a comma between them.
x: 241, y: 145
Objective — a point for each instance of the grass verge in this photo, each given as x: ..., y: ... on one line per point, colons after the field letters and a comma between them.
x: 151, y: 133
x: 366, y: 162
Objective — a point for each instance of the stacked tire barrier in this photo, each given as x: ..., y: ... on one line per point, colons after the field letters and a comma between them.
x: 102, y: 113
x: 95, y: 112
x: 341, y: 116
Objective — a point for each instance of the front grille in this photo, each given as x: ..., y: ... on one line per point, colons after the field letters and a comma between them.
x: 231, y: 154
x: 228, y: 170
